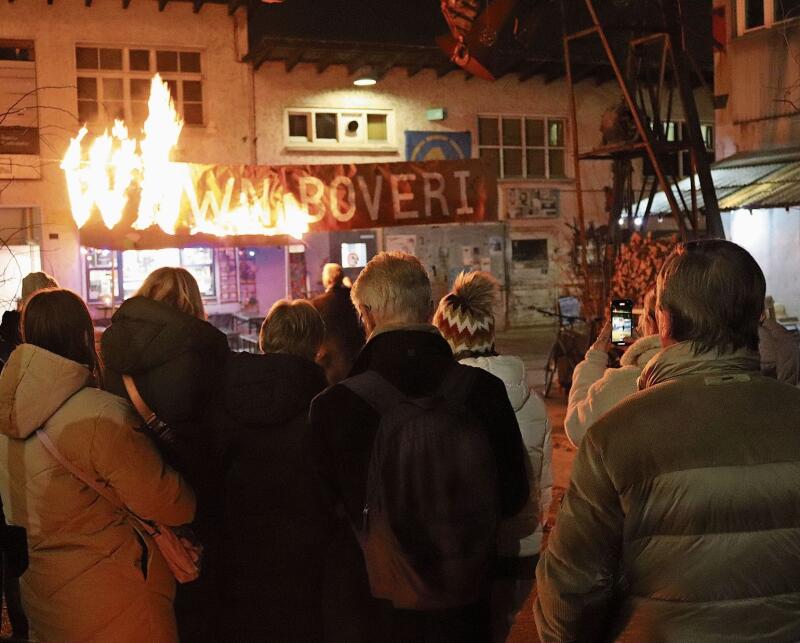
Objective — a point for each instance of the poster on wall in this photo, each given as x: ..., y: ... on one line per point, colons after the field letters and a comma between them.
x: 354, y: 255
x: 438, y: 146
x: 401, y: 243
x: 531, y: 203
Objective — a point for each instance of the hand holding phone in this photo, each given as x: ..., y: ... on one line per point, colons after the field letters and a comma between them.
x: 621, y: 321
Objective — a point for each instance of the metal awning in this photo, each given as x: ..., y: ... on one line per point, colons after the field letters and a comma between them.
x: 746, y: 181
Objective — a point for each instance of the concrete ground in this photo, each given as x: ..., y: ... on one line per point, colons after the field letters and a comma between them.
x: 533, y: 346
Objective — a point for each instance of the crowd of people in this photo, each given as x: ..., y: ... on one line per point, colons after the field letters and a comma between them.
x: 379, y: 473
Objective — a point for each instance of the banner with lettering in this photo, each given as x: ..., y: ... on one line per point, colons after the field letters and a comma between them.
x: 213, y: 205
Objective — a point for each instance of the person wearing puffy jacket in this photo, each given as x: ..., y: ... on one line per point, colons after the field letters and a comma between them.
x: 596, y: 388
x: 465, y: 319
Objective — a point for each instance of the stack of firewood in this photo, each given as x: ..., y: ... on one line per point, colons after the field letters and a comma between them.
x: 637, y: 266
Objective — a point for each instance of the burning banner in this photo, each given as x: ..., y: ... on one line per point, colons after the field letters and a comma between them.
x: 127, y: 193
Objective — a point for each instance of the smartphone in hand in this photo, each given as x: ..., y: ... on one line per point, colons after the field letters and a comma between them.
x: 621, y: 321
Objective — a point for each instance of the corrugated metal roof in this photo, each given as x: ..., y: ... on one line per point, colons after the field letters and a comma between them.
x: 774, y: 184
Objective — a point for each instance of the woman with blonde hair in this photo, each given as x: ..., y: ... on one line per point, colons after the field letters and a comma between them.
x: 175, y: 360
x: 93, y: 576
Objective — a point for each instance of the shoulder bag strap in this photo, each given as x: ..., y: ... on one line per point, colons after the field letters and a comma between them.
x: 147, y: 414
x: 375, y: 390
x: 47, y: 443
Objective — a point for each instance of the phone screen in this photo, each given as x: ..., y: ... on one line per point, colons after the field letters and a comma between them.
x: 621, y: 321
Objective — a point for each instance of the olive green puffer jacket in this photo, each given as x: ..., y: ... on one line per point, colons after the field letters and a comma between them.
x: 682, y: 522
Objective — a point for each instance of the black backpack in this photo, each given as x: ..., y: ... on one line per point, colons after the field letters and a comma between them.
x: 431, y: 511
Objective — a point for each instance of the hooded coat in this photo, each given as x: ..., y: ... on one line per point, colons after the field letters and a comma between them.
x: 92, y: 577
x: 276, y: 524
x: 522, y: 534
x: 682, y: 520
x: 176, y: 361
x: 596, y: 389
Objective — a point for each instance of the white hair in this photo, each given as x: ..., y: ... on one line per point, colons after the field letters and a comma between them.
x: 332, y: 274
x: 394, y: 286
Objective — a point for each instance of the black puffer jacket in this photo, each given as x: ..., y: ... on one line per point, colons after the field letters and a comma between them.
x: 275, y: 525
x: 177, y: 361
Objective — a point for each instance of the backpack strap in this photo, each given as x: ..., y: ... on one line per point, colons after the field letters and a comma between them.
x: 458, y: 382
x: 375, y: 390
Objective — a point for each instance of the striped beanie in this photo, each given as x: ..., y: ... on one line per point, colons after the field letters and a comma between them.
x: 465, y: 317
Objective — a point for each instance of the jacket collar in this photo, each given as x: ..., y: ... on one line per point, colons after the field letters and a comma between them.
x: 397, y: 346
x: 641, y: 351
x: 679, y: 361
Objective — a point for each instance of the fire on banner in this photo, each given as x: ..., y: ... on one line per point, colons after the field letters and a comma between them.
x: 213, y: 205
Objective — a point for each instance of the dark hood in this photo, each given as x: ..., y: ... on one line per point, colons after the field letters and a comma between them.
x: 270, y: 389
x: 145, y: 334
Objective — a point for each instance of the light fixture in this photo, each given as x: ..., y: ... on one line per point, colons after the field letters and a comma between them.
x: 365, y: 80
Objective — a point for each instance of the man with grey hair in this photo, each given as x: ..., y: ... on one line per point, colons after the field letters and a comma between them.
x: 682, y: 520
x: 393, y: 298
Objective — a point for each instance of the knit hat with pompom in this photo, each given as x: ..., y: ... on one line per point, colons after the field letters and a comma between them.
x: 465, y: 316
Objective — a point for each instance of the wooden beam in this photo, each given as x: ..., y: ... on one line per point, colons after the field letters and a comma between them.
x: 422, y: 63
x: 293, y: 59
x: 126, y: 4
x: 356, y: 63
x: 233, y: 5
x: 197, y: 5
x: 383, y: 69
x: 87, y: 3
x: 554, y: 72
x: 322, y: 65
x: 586, y: 72
x: 49, y: 1
x: 530, y: 71
x: 442, y: 71
x: 162, y: 4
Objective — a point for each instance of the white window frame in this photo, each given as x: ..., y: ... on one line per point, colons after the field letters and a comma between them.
x: 769, y: 17
x: 126, y: 74
x: 340, y: 143
x: 674, y: 134
x: 546, y: 118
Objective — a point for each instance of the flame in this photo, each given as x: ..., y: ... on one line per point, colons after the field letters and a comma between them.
x: 105, y: 174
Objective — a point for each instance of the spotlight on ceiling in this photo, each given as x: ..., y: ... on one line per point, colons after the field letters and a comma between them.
x: 365, y: 80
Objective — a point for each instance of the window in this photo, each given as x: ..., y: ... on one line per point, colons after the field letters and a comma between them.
x: 332, y: 128
x: 679, y: 164
x: 115, y: 83
x: 124, y: 272
x: 522, y: 146
x: 756, y: 14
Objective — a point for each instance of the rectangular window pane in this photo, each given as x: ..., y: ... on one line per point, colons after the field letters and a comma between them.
x: 137, y: 264
x: 87, y: 88
x: 325, y: 125
x: 112, y: 89
x: 172, y: 85
x: 535, y: 160
x: 787, y: 9
x: 555, y: 129
x: 139, y: 59
x: 190, y: 61
x: 192, y: 91
x: 87, y: 111
x: 298, y: 125
x: 138, y: 113
x: 512, y: 131
x: 488, y: 133
x: 111, y: 59
x: 512, y: 162
x: 534, y: 132
x: 557, y: 163
x: 167, y: 60
x: 101, y: 283
x: 193, y: 113
x: 492, y: 157
x: 86, y: 58
x: 376, y: 127
x: 753, y: 13
x: 113, y: 109
x: 140, y: 89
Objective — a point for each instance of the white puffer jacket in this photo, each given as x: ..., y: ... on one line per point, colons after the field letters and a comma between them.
x: 522, y: 534
x: 596, y: 389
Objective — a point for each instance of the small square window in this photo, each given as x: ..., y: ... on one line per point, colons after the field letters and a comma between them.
x: 512, y: 132
x: 193, y: 113
x: 138, y: 113
x: 190, y: 62
x: 139, y: 59
x: 86, y: 58
x: 512, y: 162
x: 325, y: 123
x: 488, y: 131
x: 557, y: 163
x: 377, y: 129
x: 491, y: 155
x: 140, y: 89
x: 535, y: 160
x: 87, y: 111
x: 87, y: 88
x: 172, y: 85
x: 111, y: 59
x: 113, y: 110
x: 167, y: 60
x: 534, y: 132
x: 753, y: 14
x: 112, y: 89
x: 192, y: 91
x: 555, y: 133
x: 298, y: 126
